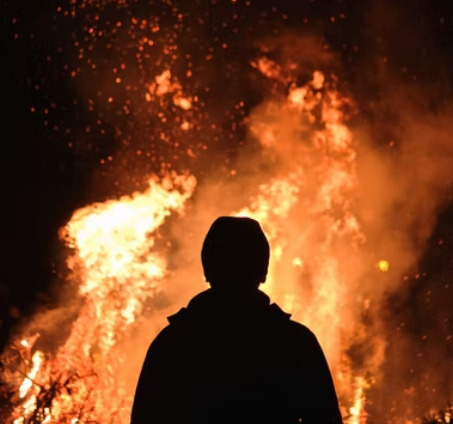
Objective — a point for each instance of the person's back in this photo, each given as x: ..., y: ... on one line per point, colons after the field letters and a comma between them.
x: 231, y: 356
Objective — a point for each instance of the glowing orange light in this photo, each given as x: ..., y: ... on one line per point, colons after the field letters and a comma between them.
x: 383, y: 265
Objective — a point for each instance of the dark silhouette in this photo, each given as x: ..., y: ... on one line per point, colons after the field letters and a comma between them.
x: 231, y: 356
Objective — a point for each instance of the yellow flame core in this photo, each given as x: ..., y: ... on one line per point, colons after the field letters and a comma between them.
x: 28, y: 382
x: 356, y: 410
x: 114, y: 251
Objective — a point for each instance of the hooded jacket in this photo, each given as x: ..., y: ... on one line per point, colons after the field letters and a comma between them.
x: 234, y: 359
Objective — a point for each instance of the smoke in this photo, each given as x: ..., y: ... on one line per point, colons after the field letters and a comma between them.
x: 405, y: 181
x: 404, y: 184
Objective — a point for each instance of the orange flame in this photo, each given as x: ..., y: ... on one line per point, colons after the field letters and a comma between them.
x: 117, y: 270
x: 309, y: 252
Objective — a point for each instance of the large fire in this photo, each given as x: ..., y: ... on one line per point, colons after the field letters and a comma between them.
x: 118, y: 267
x: 304, y: 191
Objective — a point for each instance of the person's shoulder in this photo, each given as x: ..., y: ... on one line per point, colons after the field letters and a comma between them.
x: 286, y: 320
x: 167, y: 339
x: 302, y: 329
x: 177, y: 318
x: 173, y: 328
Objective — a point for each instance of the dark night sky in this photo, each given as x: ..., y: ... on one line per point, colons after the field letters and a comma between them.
x: 43, y: 180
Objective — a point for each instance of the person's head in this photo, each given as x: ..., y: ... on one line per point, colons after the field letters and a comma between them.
x: 235, y: 254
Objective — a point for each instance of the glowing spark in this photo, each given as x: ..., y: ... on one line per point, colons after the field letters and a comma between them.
x: 182, y: 102
x: 318, y: 80
x: 298, y: 262
x: 383, y: 266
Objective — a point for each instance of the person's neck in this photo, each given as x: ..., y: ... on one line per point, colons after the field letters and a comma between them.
x: 234, y: 292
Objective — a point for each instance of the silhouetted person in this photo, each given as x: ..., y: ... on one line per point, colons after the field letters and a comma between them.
x: 231, y: 356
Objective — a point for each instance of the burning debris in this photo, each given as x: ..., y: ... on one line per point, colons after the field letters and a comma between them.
x: 443, y: 416
x: 41, y: 397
